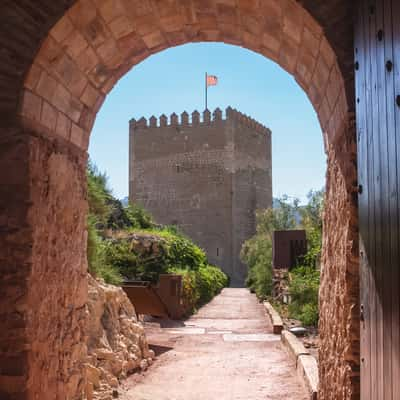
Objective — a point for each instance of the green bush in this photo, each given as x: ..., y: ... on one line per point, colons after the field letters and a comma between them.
x: 190, y: 292
x: 134, y: 265
x: 118, y: 253
x: 210, y: 280
x: 201, y: 285
x: 257, y: 254
x: 182, y: 252
x: 96, y: 256
x: 303, y: 289
x: 139, y: 217
x: 178, y: 251
x: 173, y: 251
x: 99, y: 196
x: 112, y: 255
x: 305, y: 279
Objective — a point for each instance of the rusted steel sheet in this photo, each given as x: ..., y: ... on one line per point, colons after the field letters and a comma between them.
x: 287, y: 247
x: 146, y: 300
x: 161, y: 300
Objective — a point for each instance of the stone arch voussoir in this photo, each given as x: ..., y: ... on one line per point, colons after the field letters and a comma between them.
x: 97, y: 41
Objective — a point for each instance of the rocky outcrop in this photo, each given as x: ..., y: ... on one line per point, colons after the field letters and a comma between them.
x: 116, y: 341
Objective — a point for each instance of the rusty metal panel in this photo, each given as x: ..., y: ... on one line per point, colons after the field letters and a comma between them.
x: 161, y: 300
x: 287, y: 247
x: 145, y: 300
x: 169, y: 289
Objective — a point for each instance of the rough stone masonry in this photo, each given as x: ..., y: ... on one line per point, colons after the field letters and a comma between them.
x: 206, y: 176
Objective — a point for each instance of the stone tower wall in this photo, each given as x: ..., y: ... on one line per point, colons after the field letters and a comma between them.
x: 251, y: 183
x: 207, y: 175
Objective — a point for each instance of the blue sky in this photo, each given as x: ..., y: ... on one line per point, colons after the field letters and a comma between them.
x: 173, y: 81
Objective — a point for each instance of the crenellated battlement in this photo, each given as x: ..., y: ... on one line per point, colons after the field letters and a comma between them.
x: 197, y: 118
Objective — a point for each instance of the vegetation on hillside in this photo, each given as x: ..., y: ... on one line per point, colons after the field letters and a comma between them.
x: 257, y: 251
x: 304, y: 279
x: 114, y: 252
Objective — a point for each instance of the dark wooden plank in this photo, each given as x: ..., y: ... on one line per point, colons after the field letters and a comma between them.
x: 379, y: 163
x: 395, y: 201
x: 392, y: 326
x: 383, y: 41
x: 377, y: 203
x: 361, y: 112
x: 371, y: 98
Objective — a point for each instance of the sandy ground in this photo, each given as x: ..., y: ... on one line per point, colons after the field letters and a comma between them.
x: 226, y: 351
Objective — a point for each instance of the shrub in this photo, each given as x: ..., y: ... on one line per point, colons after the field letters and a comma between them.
x: 96, y: 256
x: 190, y: 293
x: 119, y: 254
x: 178, y: 251
x: 201, y: 285
x: 134, y: 264
x: 138, y: 216
x: 257, y: 254
x: 168, y: 250
x: 182, y: 252
x: 113, y: 255
x: 98, y: 195
x: 303, y: 288
x: 210, y: 280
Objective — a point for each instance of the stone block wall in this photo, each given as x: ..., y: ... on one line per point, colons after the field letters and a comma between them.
x: 43, y: 273
x: 206, y: 176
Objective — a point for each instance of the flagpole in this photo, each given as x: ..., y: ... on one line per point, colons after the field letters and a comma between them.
x: 206, y: 90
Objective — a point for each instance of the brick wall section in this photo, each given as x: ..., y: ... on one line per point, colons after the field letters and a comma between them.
x: 208, y: 177
x: 58, y: 63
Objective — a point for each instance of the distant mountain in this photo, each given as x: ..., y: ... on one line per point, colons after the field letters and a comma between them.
x: 125, y: 201
x: 276, y: 204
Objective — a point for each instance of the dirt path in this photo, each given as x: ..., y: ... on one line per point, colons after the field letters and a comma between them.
x: 226, y: 351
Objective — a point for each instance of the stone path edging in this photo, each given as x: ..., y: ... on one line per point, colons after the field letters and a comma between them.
x: 306, y: 364
x: 275, y: 318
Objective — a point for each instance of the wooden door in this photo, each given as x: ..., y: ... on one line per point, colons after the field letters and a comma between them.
x: 377, y: 72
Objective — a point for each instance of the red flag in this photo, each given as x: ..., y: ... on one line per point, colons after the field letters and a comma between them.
x: 212, y: 80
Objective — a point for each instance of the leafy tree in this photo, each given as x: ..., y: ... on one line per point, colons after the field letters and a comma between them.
x: 304, y: 280
x: 139, y: 217
x: 99, y: 195
x: 304, y: 288
x: 281, y: 217
x: 311, y: 221
x: 257, y: 251
x: 98, y: 264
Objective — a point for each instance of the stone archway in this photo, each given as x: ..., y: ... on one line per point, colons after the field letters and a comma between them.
x: 52, y: 104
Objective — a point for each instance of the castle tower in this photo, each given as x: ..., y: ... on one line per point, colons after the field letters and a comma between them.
x: 207, y: 174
